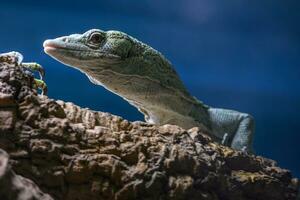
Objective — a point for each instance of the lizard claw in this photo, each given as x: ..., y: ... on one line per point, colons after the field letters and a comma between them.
x: 42, y: 73
x: 40, y: 84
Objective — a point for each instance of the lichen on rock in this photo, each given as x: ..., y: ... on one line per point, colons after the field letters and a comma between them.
x: 76, y: 153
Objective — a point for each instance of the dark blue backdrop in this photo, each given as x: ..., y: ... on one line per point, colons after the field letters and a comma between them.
x: 242, y: 55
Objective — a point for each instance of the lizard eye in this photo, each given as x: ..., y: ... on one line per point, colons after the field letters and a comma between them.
x: 95, y: 38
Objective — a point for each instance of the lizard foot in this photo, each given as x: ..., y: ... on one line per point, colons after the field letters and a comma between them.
x: 34, y: 67
x: 40, y: 84
x: 16, y: 58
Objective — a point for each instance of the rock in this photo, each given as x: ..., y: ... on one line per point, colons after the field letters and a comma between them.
x: 76, y: 153
x: 13, y: 186
x: 7, y: 119
x: 6, y: 100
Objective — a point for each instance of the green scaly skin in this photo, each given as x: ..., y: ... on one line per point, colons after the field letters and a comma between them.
x: 146, y: 79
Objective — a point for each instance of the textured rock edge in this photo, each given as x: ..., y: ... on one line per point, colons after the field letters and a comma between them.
x: 71, y: 152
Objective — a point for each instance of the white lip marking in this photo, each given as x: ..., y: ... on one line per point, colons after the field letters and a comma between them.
x: 51, y: 46
x: 47, y: 43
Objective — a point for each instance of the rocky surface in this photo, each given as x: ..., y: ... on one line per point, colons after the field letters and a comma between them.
x: 14, y: 186
x: 76, y: 153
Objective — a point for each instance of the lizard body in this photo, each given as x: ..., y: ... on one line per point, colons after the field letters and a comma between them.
x: 147, y: 80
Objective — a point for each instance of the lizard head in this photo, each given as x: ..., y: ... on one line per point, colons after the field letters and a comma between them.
x: 92, y: 48
x: 111, y: 50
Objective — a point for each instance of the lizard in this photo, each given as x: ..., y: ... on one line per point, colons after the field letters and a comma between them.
x: 147, y: 80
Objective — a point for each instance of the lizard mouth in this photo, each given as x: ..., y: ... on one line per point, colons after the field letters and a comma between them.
x: 61, y: 50
x: 50, y: 46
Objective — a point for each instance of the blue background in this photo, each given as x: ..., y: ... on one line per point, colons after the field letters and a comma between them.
x: 238, y: 54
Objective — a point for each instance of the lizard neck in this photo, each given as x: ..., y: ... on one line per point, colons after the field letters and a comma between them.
x: 159, y: 104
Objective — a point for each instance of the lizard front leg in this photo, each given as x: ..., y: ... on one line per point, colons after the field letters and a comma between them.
x: 234, y: 129
x: 38, y: 83
x: 15, y: 58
